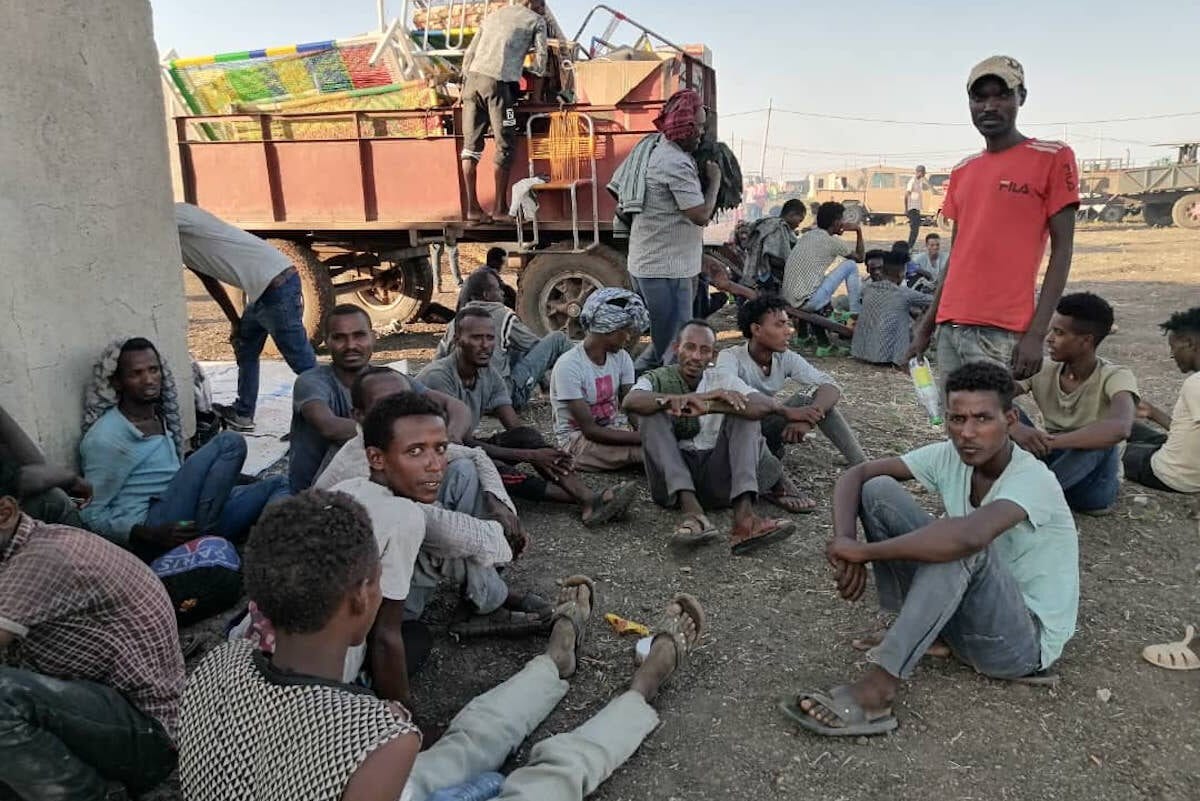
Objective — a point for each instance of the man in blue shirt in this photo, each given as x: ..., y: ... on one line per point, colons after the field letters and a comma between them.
x: 147, y: 499
x: 996, y: 578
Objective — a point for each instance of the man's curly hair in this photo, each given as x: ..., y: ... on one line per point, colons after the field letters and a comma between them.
x: 305, y: 555
x: 379, y: 427
x: 1184, y: 322
x: 983, y: 377
x: 753, y: 311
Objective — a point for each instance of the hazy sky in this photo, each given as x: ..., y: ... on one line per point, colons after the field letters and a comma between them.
x: 1085, y: 62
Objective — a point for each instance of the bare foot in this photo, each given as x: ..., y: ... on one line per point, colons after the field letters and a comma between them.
x: 665, y: 655
x: 575, y: 604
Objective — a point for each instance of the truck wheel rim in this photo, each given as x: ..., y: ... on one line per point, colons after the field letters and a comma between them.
x: 561, y: 301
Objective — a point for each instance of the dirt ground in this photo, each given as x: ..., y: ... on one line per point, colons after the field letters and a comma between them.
x: 776, y: 626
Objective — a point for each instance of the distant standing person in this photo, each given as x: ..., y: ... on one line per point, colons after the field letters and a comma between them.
x: 912, y: 203
x: 492, y: 65
x: 1005, y: 202
x: 666, y: 240
x: 220, y: 253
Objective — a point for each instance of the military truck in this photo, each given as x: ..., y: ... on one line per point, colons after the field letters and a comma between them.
x: 875, y: 195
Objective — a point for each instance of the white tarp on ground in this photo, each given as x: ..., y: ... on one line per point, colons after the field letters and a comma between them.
x: 265, y: 445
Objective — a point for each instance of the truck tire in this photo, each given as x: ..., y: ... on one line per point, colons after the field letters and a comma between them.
x: 1157, y: 214
x: 1112, y: 213
x: 1186, y: 211
x: 554, y: 285
x: 315, y: 285
x: 401, y: 293
x: 856, y: 214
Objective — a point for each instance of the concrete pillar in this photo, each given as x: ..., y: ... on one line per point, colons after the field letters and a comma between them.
x: 88, y: 247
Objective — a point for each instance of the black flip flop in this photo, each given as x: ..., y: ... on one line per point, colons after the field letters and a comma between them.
x: 840, y: 701
x: 783, y: 530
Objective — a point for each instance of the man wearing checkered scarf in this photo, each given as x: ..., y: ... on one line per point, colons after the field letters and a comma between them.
x: 590, y: 380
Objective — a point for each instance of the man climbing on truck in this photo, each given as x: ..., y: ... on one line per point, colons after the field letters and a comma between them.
x: 492, y: 66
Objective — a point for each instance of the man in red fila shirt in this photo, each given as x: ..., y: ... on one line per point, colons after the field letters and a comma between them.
x: 1005, y: 202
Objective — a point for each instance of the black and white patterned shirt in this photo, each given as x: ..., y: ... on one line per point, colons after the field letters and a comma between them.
x: 251, y: 732
x: 884, y: 328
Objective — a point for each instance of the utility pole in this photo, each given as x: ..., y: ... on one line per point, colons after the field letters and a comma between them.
x: 782, y: 162
x: 762, y: 163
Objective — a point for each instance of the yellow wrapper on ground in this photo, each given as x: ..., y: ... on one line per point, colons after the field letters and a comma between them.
x: 622, y: 626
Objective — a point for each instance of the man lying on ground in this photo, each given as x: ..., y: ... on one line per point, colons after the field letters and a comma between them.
x: 1171, y: 462
x: 322, y: 419
x: 147, y: 498
x: 97, y: 698
x: 703, y: 447
x: 996, y: 578
x: 220, y: 253
x: 590, y: 381
x: 766, y: 364
x: 1088, y: 404
x: 470, y: 377
x: 314, y: 567
x: 46, y: 492
x: 884, y: 329
x: 521, y: 357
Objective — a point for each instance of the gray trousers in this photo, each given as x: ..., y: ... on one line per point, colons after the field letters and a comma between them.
x: 974, y: 603
x: 529, y: 369
x: 482, y: 586
x: 961, y: 344
x: 565, y: 767
x: 834, y: 427
x: 738, y: 463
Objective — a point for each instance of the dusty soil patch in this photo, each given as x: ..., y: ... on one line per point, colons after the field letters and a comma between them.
x: 776, y: 626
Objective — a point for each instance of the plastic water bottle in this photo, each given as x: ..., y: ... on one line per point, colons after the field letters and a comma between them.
x: 926, y: 389
x: 481, y: 788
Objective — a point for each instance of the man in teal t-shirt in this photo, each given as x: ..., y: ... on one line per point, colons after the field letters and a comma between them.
x: 996, y: 578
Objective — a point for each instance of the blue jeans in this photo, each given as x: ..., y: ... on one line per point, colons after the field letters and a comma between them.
x: 205, y: 490
x: 845, y: 273
x: 669, y: 301
x: 64, y: 740
x: 974, y: 603
x: 1090, y: 480
x: 528, y: 370
x: 280, y: 313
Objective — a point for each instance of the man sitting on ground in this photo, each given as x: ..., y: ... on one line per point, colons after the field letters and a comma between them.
x: 323, y: 607
x: 930, y: 265
x: 996, y: 578
x: 1088, y: 404
x: 219, y: 253
x: 97, y: 697
x: 469, y: 376
x: 884, y: 329
x: 808, y: 283
x: 703, y: 447
x: 322, y: 419
x: 769, y: 244
x: 46, y: 492
x: 521, y: 357
x: 765, y: 363
x: 493, y: 261
x: 1171, y: 462
x: 591, y: 380
x: 147, y: 498
x: 406, y: 443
